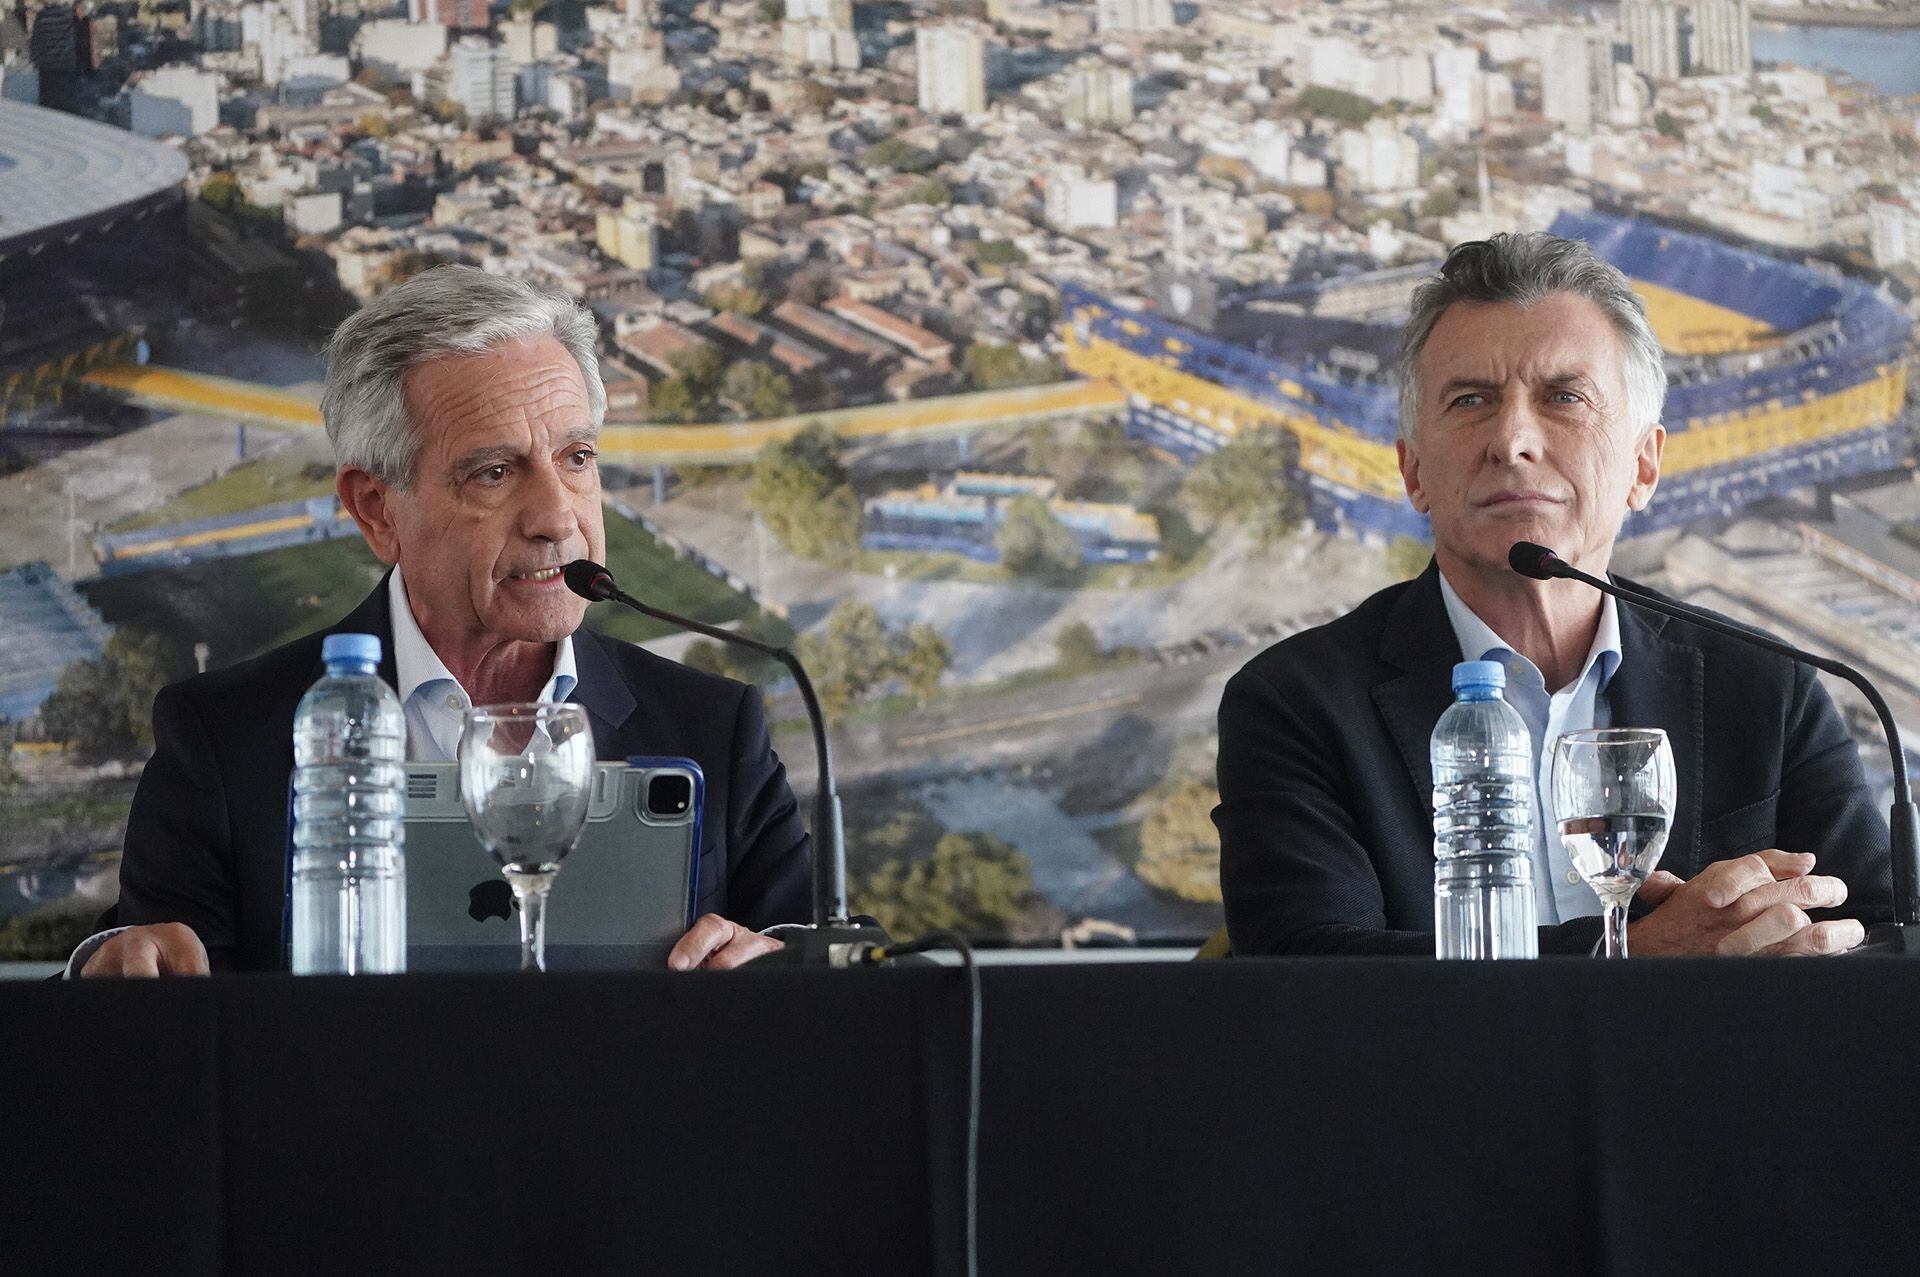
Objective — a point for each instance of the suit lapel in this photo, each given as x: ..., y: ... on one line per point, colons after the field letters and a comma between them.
x: 1422, y: 649
x: 370, y: 617
x: 1662, y: 683
x: 599, y: 688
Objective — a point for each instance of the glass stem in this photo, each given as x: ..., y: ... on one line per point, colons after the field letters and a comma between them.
x: 1616, y: 929
x: 530, y: 888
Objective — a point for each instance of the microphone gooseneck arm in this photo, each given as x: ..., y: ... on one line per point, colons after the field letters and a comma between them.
x: 829, y: 832
x: 1542, y: 564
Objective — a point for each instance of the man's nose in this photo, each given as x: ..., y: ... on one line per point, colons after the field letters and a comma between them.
x: 548, y: 514
x: 1517, y: 434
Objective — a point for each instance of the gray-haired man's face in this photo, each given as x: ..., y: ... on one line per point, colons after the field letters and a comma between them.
x: 506, y: 490
x: 1524, y: 433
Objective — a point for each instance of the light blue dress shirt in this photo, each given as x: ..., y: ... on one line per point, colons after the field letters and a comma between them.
x: 432, y: 697
x: 1559, y: 893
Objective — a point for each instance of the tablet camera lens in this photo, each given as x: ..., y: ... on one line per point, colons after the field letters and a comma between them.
x: 669, y: 796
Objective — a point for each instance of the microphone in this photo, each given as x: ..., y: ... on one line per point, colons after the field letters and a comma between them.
x: 1536, y: 561
x: 1542, y: 564
x: 831, y: 925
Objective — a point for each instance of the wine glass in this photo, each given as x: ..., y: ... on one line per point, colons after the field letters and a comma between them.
x: 1613, y: 795
x: 526, y: 774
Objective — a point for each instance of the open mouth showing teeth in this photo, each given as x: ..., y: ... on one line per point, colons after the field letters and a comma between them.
x: 544, y: 574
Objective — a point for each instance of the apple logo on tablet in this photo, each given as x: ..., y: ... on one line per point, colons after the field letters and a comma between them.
x: 490, y: 899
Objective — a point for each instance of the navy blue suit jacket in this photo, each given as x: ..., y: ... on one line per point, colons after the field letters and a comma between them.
x: 206, y: 840
x: 1326, y: 790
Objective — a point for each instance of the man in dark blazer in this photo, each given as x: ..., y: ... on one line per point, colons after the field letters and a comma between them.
x: 1326, y: 823
x: 463, y: 409
x: 1530, y: 402
x: 206, y: 841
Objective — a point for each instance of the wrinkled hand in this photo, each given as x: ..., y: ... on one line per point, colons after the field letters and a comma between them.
x: 167, y: 948
x: 714, y: 944
x: 1755, y: 904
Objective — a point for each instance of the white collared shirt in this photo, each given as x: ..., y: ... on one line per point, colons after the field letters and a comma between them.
x: 433, y: 699
x: 1559, y: 893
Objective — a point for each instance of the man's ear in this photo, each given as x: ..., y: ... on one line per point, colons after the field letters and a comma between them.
x: 370, y: 502
x: 1410, y: 474
x: 1646, y: 467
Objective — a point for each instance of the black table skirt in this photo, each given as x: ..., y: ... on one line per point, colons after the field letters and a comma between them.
x: 1558, y: 1116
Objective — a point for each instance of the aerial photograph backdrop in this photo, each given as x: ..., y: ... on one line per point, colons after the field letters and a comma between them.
x: 1029, y: 365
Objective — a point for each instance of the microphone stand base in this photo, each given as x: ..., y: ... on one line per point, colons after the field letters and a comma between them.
x: 816, y: 946
x: 1892, y: 939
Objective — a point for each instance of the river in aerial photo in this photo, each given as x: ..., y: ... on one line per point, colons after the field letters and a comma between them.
x: 1886, y: 57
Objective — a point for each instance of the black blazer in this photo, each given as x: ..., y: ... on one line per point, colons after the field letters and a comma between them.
x: 206, y: 840
x: 1326, y: 816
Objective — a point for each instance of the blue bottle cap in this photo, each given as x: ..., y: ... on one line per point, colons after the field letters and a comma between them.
x: 350, y: 648
x: 1480, y: 676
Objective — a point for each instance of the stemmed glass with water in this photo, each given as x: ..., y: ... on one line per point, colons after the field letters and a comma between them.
x: 1613, y: 791
x: 526, y: 776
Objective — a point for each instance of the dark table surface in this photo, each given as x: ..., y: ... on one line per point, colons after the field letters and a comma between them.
x: 1562, y: 1116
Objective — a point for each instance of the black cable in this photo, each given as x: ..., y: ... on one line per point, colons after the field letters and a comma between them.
x: 957, y: 943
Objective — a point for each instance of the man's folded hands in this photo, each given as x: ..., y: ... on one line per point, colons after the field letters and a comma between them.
x: 1754, y: 904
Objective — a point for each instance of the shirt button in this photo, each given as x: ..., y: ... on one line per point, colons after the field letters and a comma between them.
x: 1573, y: 877
x: 453, y: 702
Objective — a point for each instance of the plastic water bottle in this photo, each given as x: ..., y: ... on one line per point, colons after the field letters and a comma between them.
x: 1482, y: 758
x: 349, y: 885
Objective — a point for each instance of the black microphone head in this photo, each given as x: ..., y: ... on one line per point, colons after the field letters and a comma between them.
x: 589, y: 580
x: 1536, y: 561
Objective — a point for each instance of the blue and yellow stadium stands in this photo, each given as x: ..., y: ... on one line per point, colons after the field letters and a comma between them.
x: 267, y: 527
x: 1780, y: 374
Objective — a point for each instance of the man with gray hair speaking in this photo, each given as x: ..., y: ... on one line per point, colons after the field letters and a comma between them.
x: 464, y: 409
x: 1531, y: 393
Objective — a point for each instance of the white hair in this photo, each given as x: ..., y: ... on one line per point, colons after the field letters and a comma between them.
x: 449, y: 310
x: 1524, y: 269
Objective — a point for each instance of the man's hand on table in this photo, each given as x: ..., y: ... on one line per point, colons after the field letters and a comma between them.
x: 167, y: 948
x: 1755, y: 904
x: 171, y: 948
x: 714, y: 944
